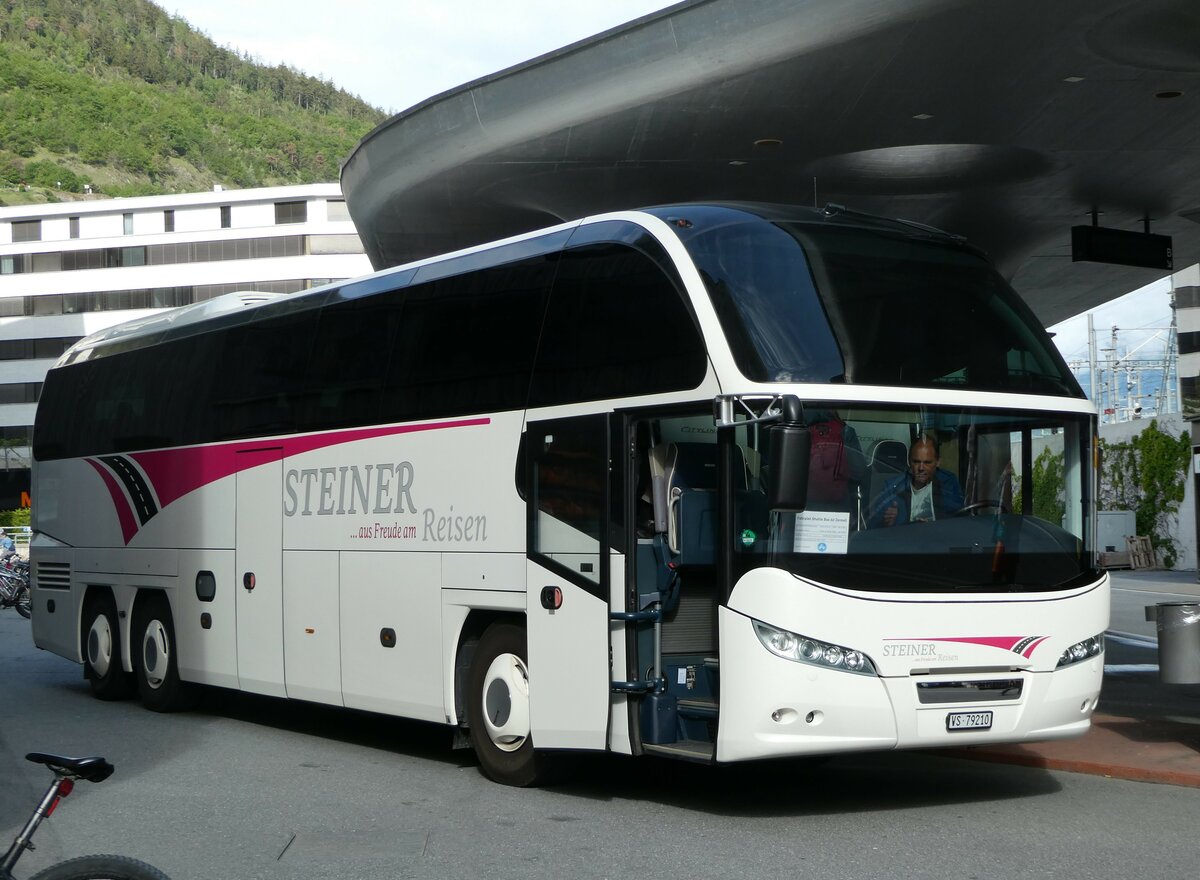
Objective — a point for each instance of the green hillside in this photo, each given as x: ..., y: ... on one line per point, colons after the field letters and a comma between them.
x: 122, y: 97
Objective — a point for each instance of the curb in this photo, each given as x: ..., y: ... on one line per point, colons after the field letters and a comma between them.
x: 1136, y: 749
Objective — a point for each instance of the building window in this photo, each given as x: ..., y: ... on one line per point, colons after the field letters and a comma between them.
x: 14, y: 264
x: 127, y: 219
x: 334, y: 244
x: 168, y: 220
x: 19, y: 435
x: 74, y: 223
x: 48, y: 304
x: 130, y: 256
x: 165, y: 254
x: 337, y: 211
x: 52, y: 347
x: 51, y: 262
x: 27, y: 230
x: 291, y: 212
x: 21, y: 392
x: 226, y: 216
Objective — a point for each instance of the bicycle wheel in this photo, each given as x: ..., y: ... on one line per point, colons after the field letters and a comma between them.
x: 24, y: 603
x: 101, y: 868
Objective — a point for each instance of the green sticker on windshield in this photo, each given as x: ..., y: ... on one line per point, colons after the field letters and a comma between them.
x: 748, y: 538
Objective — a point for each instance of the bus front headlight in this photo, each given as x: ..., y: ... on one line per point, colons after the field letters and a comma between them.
x: 1084, y: 650
x: 802, y: 649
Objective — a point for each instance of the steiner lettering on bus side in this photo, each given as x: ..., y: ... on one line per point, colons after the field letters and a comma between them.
x: 454, y: 528
x: 379, y: 489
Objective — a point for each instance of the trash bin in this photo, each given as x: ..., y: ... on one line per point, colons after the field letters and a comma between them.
x: 1178, y: 625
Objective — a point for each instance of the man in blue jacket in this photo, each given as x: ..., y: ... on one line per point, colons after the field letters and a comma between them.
x: 923, y: 494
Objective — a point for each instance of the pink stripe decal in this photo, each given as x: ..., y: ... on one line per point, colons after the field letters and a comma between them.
x: 129, y: 526
x: 1023, y: 645
x: 1028, y: 652
x: 1005, y: 642
x: 174, y: 473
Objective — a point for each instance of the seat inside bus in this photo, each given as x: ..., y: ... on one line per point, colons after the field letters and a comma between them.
x: 689, y: 476
x: 889, y: 459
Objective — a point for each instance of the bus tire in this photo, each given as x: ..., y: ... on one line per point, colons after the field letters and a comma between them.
x: 498, y: 707
x: 102, y: 649
x: 155, y: 660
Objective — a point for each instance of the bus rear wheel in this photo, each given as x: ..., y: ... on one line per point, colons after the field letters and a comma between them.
x: 102, y: 649
x: 155, y: 660
x: 498, y: 707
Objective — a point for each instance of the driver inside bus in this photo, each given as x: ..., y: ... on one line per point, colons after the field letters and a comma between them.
x: 923, y: 493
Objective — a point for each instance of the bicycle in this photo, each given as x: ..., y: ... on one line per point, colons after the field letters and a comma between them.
x: 100, y: 867
x: 14, y: 592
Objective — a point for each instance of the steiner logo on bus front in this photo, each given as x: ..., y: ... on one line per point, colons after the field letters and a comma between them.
x: 928, y: 650
x: 382, y: 492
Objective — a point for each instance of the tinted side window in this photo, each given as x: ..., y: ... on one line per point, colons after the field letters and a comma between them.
x: 455, y: 346
x: 59, y: 413
x: 349, y: 362
x: 262, y: 367
x: 568, y: 467
x: 617, y: 326
x: 465, y: 344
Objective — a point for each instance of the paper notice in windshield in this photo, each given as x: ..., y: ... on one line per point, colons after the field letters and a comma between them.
x: 822, y: 531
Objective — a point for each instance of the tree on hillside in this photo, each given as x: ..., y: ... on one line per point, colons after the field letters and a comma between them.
x: 121, y: 85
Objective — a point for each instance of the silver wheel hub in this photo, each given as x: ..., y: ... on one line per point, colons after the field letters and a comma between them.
x: 506, y: 702
x: 156, y: 654
x: 100, y: 645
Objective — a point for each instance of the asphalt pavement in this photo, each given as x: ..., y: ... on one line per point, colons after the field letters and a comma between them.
x: 1144, y: 730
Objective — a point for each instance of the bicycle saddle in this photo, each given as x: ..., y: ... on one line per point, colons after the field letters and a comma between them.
x: 92, y: 769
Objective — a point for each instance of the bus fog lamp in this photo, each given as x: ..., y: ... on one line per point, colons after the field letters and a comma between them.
x: 1092, y: 647
x: 802, y: 649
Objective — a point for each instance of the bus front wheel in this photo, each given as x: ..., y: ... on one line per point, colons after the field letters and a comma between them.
x: 498, y: 707
x: 155, y: 658
x: 102, y: 649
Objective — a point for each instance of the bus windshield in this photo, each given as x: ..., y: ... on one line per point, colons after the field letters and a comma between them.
x: 831, y: 302
x: 929, y: 499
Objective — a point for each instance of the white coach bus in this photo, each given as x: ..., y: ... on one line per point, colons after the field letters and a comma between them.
x: 718, y: 482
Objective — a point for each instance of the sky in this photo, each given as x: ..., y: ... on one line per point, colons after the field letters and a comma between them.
x: 395, y: 55
x: 1141, y: 317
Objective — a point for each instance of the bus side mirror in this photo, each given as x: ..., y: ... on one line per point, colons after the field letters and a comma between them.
x: 787, y: 485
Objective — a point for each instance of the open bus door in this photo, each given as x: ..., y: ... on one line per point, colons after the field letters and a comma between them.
x: 568, y: 564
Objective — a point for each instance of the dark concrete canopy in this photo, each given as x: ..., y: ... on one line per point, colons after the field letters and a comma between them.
x: 1007, y: 122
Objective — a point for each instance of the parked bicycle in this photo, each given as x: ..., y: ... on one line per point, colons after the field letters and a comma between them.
x: 14, y: 586
x: 105, y: 867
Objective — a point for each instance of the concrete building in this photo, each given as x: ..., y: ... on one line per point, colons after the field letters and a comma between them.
x: 73, y: 268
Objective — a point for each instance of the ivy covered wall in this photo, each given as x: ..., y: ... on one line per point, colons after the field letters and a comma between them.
x: 1146, y: 468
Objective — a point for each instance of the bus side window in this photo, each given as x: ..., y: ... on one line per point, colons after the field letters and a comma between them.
x: 568, y: 463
